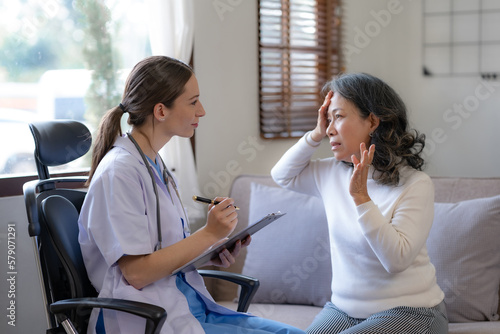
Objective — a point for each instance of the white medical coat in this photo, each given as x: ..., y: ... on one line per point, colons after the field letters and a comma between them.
x: 118, y: 218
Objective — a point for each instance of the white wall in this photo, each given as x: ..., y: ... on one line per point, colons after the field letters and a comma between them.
x: 458, y: 144
x: 226, y: 64
x: 20, y: 297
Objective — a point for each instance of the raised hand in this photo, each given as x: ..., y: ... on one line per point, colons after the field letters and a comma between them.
x: 358, y: 186
x: 222, y: 218
x: 322, y: 124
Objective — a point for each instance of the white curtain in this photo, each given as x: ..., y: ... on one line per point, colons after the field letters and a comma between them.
x: 171, y: 29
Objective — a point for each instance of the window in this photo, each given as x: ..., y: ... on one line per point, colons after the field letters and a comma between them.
x: 299, y: 51
x: 62, y: 60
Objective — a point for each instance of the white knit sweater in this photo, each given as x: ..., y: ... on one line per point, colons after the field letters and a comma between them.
x: 378, y: 249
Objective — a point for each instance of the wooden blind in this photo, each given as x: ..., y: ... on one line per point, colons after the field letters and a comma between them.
x: 299, y: 51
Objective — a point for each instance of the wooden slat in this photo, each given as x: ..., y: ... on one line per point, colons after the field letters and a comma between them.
x: 298, y: 52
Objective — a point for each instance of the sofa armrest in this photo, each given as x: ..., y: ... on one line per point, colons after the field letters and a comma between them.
x: 249, y: 285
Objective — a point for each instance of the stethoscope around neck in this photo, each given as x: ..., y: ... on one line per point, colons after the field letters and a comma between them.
x: 167, y: 177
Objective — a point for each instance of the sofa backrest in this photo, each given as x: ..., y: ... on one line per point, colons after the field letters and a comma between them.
x: 447, y: 190
x: 454, y: 189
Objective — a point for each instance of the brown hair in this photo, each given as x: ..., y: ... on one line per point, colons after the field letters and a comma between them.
x: 156, y: 79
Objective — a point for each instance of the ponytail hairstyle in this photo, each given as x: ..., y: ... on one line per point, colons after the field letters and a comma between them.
x: 156, y: 79
x: 396, y: 144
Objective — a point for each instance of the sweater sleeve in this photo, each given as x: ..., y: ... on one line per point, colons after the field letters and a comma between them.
x: 294, y: 170
x: 398, y: 240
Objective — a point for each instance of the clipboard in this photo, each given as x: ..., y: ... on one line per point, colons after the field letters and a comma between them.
x: 229, y: 244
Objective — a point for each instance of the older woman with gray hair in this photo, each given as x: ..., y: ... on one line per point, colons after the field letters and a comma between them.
x: 379, y: 206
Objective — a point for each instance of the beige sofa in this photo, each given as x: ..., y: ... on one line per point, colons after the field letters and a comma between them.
x: 291, y: 259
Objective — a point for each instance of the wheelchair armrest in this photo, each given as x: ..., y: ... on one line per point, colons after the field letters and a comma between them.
x: 30, y: 190
x: 155, y: 316
x: 249, y: 285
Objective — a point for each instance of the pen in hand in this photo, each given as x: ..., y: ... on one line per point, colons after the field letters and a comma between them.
x: 208, y: 201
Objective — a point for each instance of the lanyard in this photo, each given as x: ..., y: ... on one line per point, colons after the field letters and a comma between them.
x: 168, y: 179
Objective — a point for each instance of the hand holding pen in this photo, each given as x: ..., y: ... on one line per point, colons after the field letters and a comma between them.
x: 221, y: 219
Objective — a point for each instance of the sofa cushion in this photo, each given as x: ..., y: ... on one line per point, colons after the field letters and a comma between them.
x: 463, y: 246
x: 290, y: 257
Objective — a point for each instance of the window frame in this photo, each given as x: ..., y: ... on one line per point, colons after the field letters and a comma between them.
x: 13, y: 185
x: 279, y: 114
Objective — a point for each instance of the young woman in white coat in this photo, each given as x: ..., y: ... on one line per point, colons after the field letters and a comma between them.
x: 379, y: 207
x: 134, y: 231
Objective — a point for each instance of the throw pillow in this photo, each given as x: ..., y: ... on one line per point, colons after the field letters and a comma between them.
x: 290, y: 257
x: 463, y: 246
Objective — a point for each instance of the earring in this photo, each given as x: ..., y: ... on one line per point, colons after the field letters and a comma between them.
x: 371, y: 134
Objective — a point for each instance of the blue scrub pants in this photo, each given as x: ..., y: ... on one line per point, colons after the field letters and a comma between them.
x: 244, y: 324
x: 215, y: 323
